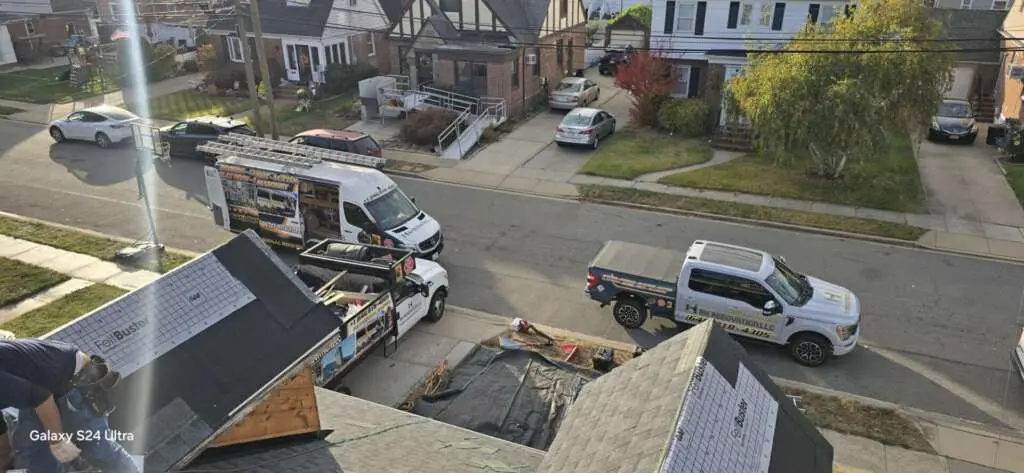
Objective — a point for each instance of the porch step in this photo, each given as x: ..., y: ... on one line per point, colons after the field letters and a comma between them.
x: 733, y: 138
x: 985, y: 109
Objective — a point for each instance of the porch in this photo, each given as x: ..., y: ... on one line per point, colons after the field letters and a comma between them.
x: 304, y: 60
x: 731, y: 131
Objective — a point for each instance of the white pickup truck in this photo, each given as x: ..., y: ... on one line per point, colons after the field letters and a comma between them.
x: 749, y: 293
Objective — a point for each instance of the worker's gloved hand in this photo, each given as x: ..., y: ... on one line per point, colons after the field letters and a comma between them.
x: 64, y: 451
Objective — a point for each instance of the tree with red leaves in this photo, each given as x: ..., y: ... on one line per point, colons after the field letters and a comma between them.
x: 648, y: 79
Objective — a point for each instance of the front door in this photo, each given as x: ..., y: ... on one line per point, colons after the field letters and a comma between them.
x: 572, y: 66
x: 300, y: 62
x: 424, y: 68
x: 730, y: 72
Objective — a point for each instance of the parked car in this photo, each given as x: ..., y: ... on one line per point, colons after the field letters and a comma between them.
x: 182, y: 138
x: 609, y: 63
x: 572, y: 92
x: 104, y: 125
x: 954, y: 122
x: 585, y: 127
x: 339, y: 140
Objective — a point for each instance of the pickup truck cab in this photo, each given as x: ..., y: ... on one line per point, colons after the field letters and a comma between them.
x: 749, y: 293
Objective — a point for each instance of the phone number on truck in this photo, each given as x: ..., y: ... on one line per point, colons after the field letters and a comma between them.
x: 731, y: 327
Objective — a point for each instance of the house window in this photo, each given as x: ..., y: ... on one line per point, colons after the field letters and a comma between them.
x: 684, y: 17
x: 351, y: 3
x: 114, y: 9
x: 234, y: 49
x: 766, y: 13
x: 373, y: 45
x: 471, y: 76
x: 966, y: 4
x: 403, y: 59
x: 451, y: 6
x: 746, y: 11
x: 563, y: 8
x: 536, y: 62
x: 683, y: 81
x: 336, y: 54
x: 827, y: 14
x: 515, y: 71
x: 1000, y: 4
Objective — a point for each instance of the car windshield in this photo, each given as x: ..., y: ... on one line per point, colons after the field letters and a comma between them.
x: 788, y: 284
x: 119, y: 115
x: 242, y: 129
x: 392, y: 209
x: 955, y: 110
x: 576, y: 119
x: 568, y: 87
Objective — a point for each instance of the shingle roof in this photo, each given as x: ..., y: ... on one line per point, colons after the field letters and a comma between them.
x: 64, y: 6
x: 973, y: 29
x: 366, y: 438
x: 626, y: 420
x: 278, y: 18
x: 524, y: 18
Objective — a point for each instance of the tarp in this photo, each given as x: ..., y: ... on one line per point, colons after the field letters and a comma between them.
x: 516, y: 395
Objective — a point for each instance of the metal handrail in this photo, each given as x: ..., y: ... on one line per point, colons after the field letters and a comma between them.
x: 452, y: 97
x: 401, y: 82
x: 452, y: 128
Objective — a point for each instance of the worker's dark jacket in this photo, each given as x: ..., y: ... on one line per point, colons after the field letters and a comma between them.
x: 32, y: 370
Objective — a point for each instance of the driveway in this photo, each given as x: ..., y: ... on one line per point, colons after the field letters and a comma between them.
x: 963, y: 183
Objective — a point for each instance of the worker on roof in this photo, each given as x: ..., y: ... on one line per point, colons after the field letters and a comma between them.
x: 60, y: 395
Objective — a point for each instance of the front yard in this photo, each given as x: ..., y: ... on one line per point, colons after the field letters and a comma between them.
x: 189, y: 103
x: 631, y: 153
x: 334, y: 113
x: 1015, y: 177
x: 6, y: 111
x: 890, y: 182
x: 41, y: 86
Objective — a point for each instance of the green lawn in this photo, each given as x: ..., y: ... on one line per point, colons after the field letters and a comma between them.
x: 335, y: 113
x: 890, y: 182
x: 631, y: 153
x: 20, y: 280
x: 6, y: 111
x: 41, y: 321
x: 78, y: 242
x: 753, y: 212
x: 189, y: 103
x: 41, y: 86
x: 1015, y: 176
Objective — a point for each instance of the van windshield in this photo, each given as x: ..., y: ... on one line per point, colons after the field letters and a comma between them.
x: 392, y: 209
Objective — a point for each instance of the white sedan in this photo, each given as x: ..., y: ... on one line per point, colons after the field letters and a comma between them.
x: 104, y: 125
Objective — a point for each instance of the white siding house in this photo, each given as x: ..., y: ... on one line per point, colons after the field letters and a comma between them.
x: 707, y: 40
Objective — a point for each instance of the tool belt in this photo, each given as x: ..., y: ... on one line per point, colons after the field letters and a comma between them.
x: 94, y: 381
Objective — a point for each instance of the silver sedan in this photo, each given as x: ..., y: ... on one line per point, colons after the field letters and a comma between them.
x: 585, y: 127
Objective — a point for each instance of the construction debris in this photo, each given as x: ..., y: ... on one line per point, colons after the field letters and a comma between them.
x: 434, y: 383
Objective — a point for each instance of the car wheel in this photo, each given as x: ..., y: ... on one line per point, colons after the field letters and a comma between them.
x: 165, y: 149
x: 610, y: 133
x: 57, y: 135
x: 597, y: 96
x: 970, y: 140
x: 103, y: 141
x: 810, y: 349
x: 597, y: 142
x: 437, y: 306
x: 560, y: 144
x: 629, y: 313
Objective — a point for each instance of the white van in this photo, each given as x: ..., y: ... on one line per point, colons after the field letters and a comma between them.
x: 290, y: 205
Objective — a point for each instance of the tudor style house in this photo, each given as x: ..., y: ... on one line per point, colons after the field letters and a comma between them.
x: 1009, y: 85
x: 706, y: 40
x: 489, y: 48
x: 308, y: 35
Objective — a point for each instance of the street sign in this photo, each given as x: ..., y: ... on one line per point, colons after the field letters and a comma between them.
x: 147, y: 138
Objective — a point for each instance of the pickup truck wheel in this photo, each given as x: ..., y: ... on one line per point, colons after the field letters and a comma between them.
x: 629, y: 313
x: 437, y: 306
x: 810, y: 349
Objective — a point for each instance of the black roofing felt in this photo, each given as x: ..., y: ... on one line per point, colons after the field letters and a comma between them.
x: 278, y: 18
x: 972, y: 29
x: 176, y: 403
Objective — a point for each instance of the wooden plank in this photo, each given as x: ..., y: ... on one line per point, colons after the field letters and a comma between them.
x: 289, y: 410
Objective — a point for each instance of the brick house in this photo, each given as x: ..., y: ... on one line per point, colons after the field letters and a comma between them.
x: 489, y: 48
x: 976, y: 73
x: 305, y: 36
x: 39, y: 29
x: 1009, y: 88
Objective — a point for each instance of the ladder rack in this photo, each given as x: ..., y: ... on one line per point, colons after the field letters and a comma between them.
x: 311, y: 152
x: 225, y: 149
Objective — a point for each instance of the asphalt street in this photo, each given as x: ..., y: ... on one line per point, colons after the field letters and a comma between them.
x: 938, y: 329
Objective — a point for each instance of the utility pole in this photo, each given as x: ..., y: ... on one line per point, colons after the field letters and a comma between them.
x: 261, y: 52
x: 250, y: 77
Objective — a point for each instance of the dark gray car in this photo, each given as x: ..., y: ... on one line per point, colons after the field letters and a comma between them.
x: 954, y: 122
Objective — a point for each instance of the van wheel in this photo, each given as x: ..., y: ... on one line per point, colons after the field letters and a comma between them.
x: 438, y: 305
x: 810, y: 349
x: 629, y: 313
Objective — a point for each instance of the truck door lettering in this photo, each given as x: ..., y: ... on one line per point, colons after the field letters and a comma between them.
x: 694, y: 313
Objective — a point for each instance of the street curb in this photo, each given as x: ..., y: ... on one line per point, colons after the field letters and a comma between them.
x: 27, y: 122
x: 91, y: 232
x: 957, y: 423
x: 986, y: 256
x: 763, y: 223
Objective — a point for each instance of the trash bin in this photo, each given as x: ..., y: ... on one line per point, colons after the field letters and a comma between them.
x: 995, y: 135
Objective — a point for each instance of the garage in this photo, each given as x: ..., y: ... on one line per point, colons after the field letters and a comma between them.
x: 626, y: 31
x: 963, y: 78
x: 7, y: 55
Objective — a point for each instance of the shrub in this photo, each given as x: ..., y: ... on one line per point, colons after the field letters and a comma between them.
x: 345, y: 77
x: 423, y: 127
x: 206, y: 56
x: 686, y: 117
x: 190, y: 66
x: 164, y: 63
x: 225, y: 77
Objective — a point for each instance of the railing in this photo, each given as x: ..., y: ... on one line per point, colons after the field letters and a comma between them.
x: 455, y: 129
x: 450, y: 100
x: 401, y: 82
x: 500, y: 111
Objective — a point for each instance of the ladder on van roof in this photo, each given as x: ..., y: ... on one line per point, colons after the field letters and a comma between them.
x: 280, y: 152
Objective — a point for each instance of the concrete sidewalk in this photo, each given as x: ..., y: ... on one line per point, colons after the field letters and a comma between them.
x: 962, y: 447
x: 45, y: 113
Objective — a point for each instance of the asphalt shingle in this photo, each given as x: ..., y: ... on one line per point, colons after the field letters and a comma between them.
x: 972, y: 29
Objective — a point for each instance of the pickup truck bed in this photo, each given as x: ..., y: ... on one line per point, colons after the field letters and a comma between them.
x: 641, y: 261
x: 635, y: 277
